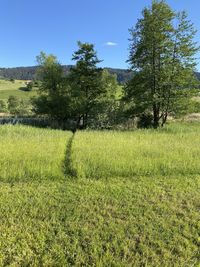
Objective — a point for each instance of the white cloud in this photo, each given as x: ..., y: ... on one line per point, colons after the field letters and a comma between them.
x: 110, y: 44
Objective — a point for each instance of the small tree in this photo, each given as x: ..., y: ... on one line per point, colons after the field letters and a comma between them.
x: 162, y: 54
x: 13, y: 104
x: 86, y: 83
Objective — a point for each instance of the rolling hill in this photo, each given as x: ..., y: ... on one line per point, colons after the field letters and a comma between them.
x: 29, y: 73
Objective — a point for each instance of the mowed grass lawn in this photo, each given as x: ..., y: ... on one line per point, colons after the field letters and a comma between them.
x: 8, y: 88
x: 129, y: 205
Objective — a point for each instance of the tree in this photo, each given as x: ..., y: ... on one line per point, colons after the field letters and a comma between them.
x: 104, y: 112
x: 86, y: 83
x: 162, y: 56
x: 54, y: 93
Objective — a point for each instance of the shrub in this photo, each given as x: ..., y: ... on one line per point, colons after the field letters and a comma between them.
x: 3, y: 107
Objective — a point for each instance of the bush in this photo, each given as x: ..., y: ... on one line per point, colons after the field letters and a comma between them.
x: 3, y: 107
x: 13, y: 103
x: 18, y: 107
x: 29, y: 86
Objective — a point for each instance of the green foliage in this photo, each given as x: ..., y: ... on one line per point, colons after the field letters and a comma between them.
x: 18, y: 107
x: 105, y: 110
x: 30, y: 73
x: 50, y: 72
x: 186, y: 105
x: 85, y: 95
x: 13, y: 104
x: 29, y: 86
x: 162, y: 54
x: 86, y: 82
x: 3, y: 106
x: 54, y: 92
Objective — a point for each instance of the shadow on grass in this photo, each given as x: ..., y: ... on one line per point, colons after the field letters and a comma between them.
x: 68, y: 168
x: 25, y: 89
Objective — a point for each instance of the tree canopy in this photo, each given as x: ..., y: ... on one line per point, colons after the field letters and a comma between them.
x: 162, y: 55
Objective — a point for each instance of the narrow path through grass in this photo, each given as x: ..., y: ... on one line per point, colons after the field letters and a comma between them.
x: 68, y: 168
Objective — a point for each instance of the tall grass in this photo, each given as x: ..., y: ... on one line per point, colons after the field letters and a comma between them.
x: 28, y: 153
x: 173, y: 150
x: 50, y: 220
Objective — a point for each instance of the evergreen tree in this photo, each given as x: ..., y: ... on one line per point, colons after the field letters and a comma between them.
x: 86, y: 83
x: 162, y: 56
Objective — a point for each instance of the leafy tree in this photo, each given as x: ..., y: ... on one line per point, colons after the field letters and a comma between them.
x: 104, y: 112
x: 162, y: 55
x: 86, y: 82
x: 54, y: 92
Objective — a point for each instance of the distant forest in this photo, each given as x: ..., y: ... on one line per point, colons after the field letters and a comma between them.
x: 29, y: 73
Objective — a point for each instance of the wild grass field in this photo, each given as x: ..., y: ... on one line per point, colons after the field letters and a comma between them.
x: 167, y: 151
x: 9, y: 88
x: 133, y: 202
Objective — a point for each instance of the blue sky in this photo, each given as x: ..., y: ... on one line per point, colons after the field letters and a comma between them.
x: 54, y: 26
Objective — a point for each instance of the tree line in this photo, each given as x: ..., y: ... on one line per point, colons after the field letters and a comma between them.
x: 30, y: 73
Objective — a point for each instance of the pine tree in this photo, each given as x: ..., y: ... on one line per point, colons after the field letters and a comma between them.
x: 86, y: 82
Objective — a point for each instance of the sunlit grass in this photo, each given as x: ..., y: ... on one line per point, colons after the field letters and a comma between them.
x: 8, y: 88
x: 134, y: 214
x: 29, y: 153
x: 121, y: 222
x: 173, y: 150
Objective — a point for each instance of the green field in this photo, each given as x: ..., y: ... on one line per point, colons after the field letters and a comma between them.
x: 8, y: 88
x: 133, y: 198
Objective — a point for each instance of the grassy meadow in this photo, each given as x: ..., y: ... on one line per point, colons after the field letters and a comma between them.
x: 133, y: 202
x: 28, y: 154
x: 173, y: 150
x: 9, y: 88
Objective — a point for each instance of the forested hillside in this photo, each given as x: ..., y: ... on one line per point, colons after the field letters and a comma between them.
x: 28, y: 73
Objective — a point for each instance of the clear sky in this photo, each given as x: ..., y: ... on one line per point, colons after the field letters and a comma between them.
x: 54, y: 26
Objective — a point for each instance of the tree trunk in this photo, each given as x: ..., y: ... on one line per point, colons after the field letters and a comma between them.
x: 86, y: 120
x: 155, y: 117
